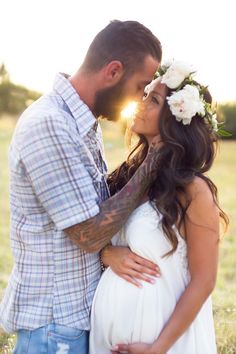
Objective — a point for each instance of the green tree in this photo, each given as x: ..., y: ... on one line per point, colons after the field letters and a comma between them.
x: 14, y: 98
x: 4, y: 75
x: 227, y: 112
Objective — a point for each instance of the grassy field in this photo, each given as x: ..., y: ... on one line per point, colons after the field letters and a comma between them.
x: 223, y: 174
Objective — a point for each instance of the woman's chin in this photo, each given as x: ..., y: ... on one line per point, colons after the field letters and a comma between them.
x: 135, y: 129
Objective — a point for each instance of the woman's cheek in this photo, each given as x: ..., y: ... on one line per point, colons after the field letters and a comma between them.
x: 153, y: 123
x: 151, y: 126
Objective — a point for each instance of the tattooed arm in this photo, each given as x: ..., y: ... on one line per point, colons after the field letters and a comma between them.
x: 93, y: 234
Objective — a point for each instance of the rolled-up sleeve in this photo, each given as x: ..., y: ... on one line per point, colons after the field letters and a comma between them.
x: 53, y: 163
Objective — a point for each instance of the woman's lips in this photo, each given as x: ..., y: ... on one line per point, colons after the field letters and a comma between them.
x: 138, y: 117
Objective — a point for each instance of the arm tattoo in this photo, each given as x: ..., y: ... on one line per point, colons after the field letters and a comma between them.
x: 93, y: 234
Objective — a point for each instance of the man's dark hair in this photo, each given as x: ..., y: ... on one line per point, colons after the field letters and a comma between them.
x: 127, y: 41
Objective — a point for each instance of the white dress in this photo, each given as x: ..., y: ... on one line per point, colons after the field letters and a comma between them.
x: 124, y: 313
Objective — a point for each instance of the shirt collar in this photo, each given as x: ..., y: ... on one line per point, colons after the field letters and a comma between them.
x: 85, y: 119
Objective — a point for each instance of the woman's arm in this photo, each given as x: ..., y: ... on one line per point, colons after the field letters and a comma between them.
x: 93, y: 234
x: 202, y: 237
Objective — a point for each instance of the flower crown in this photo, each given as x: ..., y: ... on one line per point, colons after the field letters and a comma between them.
x: 187, y: 97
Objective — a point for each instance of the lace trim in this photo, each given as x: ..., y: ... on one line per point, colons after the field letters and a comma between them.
x: 143, y: 209
x: 181, y: 252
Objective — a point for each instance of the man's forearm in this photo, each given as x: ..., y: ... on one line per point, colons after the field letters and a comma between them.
x: 93, y: 234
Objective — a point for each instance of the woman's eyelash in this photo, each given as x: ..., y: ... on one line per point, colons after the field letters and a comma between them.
x: 155, y: 100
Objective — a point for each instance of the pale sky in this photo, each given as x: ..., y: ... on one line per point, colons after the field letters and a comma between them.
x: 40, y: 38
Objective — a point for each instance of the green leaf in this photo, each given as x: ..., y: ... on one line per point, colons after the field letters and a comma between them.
x: 222, y: 132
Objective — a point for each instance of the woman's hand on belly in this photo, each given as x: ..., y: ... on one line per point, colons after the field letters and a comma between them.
x: 129, y: 266
x: 137, y: 348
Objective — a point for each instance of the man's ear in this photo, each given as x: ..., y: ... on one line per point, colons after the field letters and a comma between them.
x: 113, y: 72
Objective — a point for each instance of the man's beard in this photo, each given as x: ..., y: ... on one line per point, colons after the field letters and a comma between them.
x: 109, y: 102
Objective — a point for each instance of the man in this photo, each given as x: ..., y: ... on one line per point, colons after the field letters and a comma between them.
x: 61, y: 213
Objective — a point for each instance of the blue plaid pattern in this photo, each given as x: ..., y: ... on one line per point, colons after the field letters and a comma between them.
x: 58, y: 179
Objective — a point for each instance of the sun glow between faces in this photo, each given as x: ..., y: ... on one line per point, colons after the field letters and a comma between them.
x: 128, y: 112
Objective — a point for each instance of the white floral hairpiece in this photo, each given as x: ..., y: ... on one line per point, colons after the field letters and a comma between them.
x: 187, y: 97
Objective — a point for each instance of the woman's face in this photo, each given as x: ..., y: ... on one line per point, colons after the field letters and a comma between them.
x: 146, y: 121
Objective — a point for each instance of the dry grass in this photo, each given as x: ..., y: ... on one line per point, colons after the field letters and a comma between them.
x: 223, y: 174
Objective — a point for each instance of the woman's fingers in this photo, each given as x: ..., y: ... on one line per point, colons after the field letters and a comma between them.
x: 137, y: 348
x: 131, y: 280
x: 145, y: 266
x: 141, y: 276
x: 140, y: 268
x: 133, y: 277
x: 130, y: 266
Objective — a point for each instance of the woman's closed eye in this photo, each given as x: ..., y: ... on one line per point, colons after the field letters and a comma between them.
x: 155, y: 100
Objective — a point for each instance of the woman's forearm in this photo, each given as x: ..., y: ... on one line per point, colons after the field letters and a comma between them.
x: 185, y: 312
x: 93, y: 234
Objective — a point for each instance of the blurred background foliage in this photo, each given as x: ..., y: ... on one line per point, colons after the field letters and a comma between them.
x: 15, y: 98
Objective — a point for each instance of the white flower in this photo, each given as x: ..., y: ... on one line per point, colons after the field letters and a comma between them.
x: 176, y: 74
x: 186, y: 103
x: 167, y: 63
x: 151, y: 86
x: 214, y: 123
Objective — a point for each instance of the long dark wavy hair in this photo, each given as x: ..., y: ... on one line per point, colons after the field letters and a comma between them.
x: 187, y: 151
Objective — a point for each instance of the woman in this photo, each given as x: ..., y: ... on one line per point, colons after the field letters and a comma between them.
x: 176, y: 226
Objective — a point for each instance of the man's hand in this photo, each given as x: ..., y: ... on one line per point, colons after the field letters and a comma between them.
x: 129, y: 266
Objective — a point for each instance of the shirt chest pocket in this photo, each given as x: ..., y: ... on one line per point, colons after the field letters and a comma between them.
x: 98, y: 175
x: 99, y: 182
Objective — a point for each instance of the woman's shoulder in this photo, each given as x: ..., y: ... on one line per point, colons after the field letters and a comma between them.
x: 201, y: 199
x: 198, y: 187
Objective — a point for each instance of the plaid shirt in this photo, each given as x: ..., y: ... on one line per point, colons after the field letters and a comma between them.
x: 58, y: 179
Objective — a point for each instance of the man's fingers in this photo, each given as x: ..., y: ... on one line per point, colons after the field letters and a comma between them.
x: 156, y: 141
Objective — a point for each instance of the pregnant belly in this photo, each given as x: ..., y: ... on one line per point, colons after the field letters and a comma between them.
x: 125, y: 313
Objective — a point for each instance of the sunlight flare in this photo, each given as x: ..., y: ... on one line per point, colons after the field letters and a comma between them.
x: 129, y: 110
